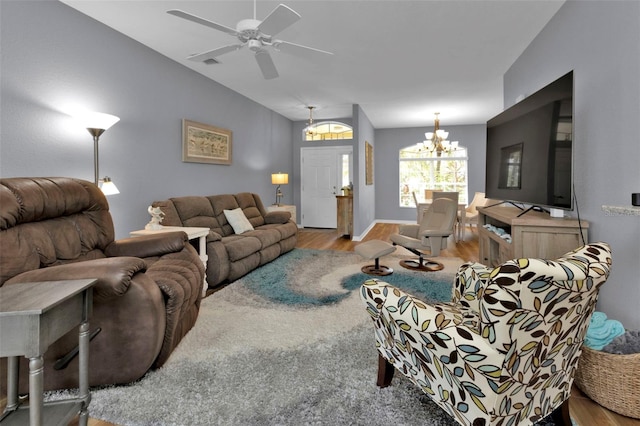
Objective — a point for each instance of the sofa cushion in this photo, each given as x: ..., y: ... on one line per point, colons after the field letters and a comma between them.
x: 252, y: 208
x: 238, y: 221
x: 286, y: 230
x: 51, y: 221
x: 267, y: 237
x: 171, y: 216
x: 195, y: 211
x: 220, y: 203
x: 239, y: 246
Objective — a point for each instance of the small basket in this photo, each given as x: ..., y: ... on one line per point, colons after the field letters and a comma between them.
x: 611, y: 380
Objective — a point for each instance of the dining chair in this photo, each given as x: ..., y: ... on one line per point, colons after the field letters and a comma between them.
x: 471, y: 213
x: 420, y: 207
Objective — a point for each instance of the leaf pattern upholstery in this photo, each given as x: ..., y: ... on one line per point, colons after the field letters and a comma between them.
x: 505, y: 349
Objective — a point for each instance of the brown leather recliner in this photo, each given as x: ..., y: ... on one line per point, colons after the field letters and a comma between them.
x: 148, y: 292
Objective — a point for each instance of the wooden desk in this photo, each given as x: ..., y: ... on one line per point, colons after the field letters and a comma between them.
x: 32, y: 317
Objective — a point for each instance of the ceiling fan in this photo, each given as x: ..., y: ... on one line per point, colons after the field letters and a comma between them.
x: 257, y: 35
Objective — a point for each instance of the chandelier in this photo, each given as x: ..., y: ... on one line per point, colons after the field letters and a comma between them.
x: 437, y: 142
x: 309, y: 130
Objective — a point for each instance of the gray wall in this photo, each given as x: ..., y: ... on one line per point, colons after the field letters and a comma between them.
x: 54, y: 57
x: 606, y: 64
x: 364, y: 196
x: 387, y: 177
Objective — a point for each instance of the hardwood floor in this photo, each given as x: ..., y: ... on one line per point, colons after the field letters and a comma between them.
x: 324, y: 239
x: 584, y: 411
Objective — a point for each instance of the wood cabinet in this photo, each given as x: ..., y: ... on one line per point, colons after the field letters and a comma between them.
x: 345, y: 214
x: 534, y: 234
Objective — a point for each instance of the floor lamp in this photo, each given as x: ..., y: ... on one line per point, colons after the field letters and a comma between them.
x: 97, y: 123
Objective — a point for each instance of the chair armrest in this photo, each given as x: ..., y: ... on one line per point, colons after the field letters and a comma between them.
x: 408, y: 312
x: 471, y: 280
x: 148, y: 245
x: 113, y: 274
x: 409, y: 230
x: 213, y: 236
x: 401, y: 317
x: 278, y: 216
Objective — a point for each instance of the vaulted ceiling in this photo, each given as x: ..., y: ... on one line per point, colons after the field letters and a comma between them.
x: 400, y: 60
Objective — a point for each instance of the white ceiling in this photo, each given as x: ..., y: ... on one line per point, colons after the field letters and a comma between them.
x: 400, y: 60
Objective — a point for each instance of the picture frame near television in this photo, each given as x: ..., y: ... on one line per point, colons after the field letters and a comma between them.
x: 530, y: 149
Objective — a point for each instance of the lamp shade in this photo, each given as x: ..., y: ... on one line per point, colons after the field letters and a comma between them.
x: 108, y: 187
x: 280, y: 178
x: 96, y: 120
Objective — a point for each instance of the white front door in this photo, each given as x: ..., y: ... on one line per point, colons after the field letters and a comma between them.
x: 321, y: 170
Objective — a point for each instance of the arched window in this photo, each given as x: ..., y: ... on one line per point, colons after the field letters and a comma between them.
x: 422, y: 170
x: 327, y: 130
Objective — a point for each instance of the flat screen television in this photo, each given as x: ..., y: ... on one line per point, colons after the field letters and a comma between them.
x: 530, y: 149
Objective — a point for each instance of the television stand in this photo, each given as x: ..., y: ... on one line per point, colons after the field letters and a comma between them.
x: 536, y: 235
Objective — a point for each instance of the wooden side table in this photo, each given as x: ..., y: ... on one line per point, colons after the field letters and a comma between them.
x: 192, y: 232
x: 32, y: 317
x: 283, y: 207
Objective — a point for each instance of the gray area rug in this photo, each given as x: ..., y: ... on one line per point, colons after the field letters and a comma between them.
x: 251, y: 361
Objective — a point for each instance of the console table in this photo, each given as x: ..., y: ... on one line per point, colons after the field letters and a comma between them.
x: 192, y: 233
x: 32, y: 317
x: 534, y: 234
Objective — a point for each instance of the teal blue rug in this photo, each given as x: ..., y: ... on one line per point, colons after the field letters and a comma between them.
x: 291, y: 279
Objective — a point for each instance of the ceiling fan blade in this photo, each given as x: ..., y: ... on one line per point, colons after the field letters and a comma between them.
x: 200, y: 57
x: 297, y: 49
x: 279, y: 19
x: 202, y: 21
x: 266, y: 64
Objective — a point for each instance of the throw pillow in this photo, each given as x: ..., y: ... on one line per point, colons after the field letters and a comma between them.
x: 238, y: 220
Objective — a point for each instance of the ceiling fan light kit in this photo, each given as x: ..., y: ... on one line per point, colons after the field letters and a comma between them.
x: 256, y: 35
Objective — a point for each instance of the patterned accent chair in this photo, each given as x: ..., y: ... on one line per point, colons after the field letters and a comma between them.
x: 505, y: 349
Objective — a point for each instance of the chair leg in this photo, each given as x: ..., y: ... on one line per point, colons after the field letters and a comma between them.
x: 385, y: 372
x: 561, y: 415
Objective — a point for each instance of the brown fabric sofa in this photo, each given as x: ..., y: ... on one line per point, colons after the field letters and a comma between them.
x: 148, y: 292
x: 231, y: 255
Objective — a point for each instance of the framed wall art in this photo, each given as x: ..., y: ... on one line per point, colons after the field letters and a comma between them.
x: 368, y: 156
x: 202, y: 143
